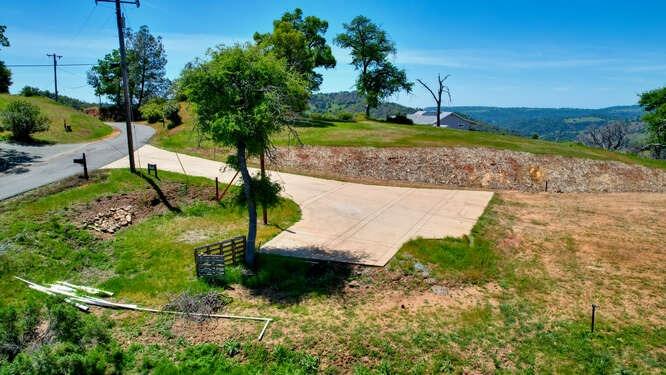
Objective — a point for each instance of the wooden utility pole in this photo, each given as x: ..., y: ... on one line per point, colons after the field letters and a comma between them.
x: 262, y: 164
x: 438, y: 97
x: 123, y: 68
x: 55, y: 69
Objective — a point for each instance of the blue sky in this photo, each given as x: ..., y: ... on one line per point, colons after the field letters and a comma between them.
x: 499, y: 53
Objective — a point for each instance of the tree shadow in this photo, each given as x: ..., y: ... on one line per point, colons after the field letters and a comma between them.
x: 162, y: 197
x: 15, y: 161
x: 29, y: 142
x: 309, y: 123
x: 288, y: 280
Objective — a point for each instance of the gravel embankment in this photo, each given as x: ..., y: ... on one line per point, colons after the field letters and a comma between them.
x: 473, y: 168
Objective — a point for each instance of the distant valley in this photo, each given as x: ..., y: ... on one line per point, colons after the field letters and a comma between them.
x: 548, y: 123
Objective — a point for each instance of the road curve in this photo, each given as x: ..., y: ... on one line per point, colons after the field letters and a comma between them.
x: 35, y: 166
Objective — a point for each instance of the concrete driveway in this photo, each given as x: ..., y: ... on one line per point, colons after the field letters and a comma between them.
x: 347, y: 222
x: 33, y: 166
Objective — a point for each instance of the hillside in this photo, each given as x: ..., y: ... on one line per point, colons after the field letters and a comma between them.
x: 552, y: 123
x: 84, y: 127
x: 350, y: 102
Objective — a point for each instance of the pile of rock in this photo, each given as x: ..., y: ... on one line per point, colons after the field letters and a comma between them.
x: 112, y: 220
x: 473, y: 168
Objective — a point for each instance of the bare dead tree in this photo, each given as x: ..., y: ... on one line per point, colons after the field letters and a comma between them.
x: 438, y: 97
x: 610, y: 137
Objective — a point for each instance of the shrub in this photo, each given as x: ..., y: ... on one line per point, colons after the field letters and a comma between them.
x: 32, y: 91
x: 170, y: 111
x: 152, y: 111
x: 23, y: 119
x: 399, y: 119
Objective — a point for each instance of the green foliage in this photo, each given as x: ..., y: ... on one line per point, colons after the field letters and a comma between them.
x: 3, y: 38
x: 146, y: 67
x: 17, y: 329
x: 333, y: 104
x: 265, y: 191
x: 243, y: 95
x: 23, y: 118
x: 158, y: 109
x: 301, y: 42
x: 370, y: 49
x: 5, y: 78
x: 153, y: 111
x: 654, y: 102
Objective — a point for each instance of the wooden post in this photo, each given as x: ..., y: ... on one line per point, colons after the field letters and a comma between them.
x: 263, y: 176
x: 217, y: 189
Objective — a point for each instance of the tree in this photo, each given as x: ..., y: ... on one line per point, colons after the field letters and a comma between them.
x: 654, y: 103
x: 146, y: 61
x: 3, y: 38
x: 370, y: 48
x: 147, y: 64
x: 242, y: 95
x: 22, y: 119
x: 438, y: 98
x: 5, y: 78
x: 610, y: 137
x: 302, y: 43
x: 5, y: 73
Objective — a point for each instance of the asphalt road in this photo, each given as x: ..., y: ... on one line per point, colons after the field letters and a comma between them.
x: 37, y: 165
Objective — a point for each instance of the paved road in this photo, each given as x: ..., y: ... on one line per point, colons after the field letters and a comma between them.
x: 347, y: 222
x: 34, y: 166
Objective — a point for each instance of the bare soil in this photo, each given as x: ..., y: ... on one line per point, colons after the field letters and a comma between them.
x: 105, y: 215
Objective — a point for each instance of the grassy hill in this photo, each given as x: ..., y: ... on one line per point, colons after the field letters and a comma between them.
x: 84, y: 127
x: 185, y: 139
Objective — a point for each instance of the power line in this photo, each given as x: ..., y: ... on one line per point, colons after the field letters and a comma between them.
x: 43, y: 65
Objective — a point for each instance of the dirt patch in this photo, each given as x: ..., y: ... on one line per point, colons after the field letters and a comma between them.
x: 108, y: 214
x: 595, y: 248
x: 471, y: 168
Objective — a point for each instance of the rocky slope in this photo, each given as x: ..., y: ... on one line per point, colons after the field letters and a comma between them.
x: 472, y: 168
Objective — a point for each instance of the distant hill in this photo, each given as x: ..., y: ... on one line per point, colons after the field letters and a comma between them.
x: 551, y: 123
x: 350, y: 102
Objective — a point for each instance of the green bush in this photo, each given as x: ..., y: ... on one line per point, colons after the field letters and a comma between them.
x: 170, y: 111
x: 23, y: 119
x: 153, y: 111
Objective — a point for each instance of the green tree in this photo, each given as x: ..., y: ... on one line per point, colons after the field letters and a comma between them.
x: 148, y: 64
x: 5, y: 73
x: 22, y: 119
x: 3, y: 38
x: 370, y: 49
x: 5, y: 78
x: 302, y: 43
x: 242, y: 95
x: 146, y: 67
x: 654, y: 103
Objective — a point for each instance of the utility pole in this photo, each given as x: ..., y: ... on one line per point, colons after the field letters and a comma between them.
x: 123, y: 68
x: 55, y: 74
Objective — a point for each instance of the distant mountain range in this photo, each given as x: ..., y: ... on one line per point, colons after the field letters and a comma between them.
x: 548, y: 123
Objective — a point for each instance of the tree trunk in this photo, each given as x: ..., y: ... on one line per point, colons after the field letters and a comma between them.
x: 367, y: 111
x: 251, y: 205
x: 439, y: 111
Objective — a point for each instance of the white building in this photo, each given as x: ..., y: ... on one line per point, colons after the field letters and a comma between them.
x: 446, y: 119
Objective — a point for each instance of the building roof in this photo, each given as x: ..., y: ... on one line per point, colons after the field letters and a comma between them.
x: 427, y: 118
